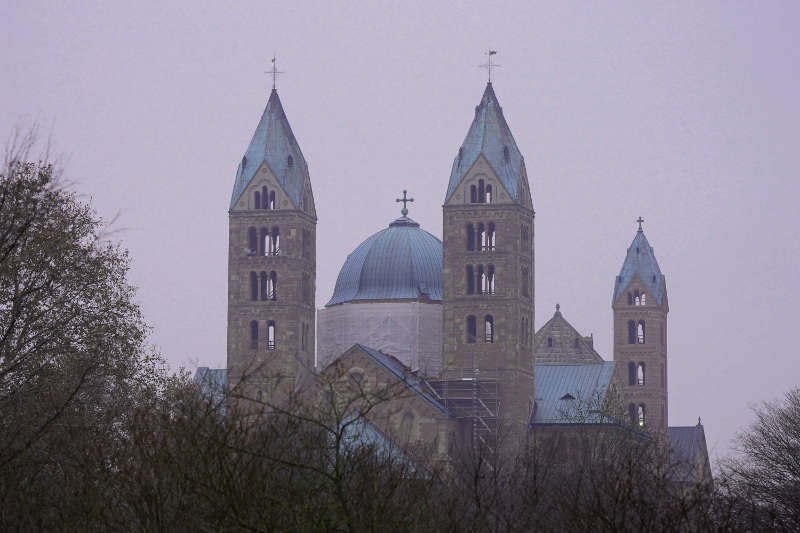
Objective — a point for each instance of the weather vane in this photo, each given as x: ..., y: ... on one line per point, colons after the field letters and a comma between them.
x: 405, y: 200
x: 489, y: 65
x: 274, y: 71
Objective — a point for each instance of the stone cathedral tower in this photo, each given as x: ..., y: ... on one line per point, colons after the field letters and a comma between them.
x: 271, y: 260
x: 640, y: 336
x: 488, y: 265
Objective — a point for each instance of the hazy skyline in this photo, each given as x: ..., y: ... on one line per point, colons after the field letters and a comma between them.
x: 683, y: 113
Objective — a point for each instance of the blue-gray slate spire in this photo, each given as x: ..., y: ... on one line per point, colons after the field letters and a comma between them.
x: 489, y: 135
x: 640, y: 261
x: 274, y: 143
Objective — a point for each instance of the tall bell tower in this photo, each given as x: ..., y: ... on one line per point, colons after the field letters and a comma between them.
x: 640, y: 336
x: 488, y: 264
x: 271, y: 262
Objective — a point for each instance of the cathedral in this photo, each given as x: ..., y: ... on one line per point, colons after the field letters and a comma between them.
x: 451, y: 319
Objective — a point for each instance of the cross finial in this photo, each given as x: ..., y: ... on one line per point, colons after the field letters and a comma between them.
x: 489, y: 65
x: 405, y: 200
x: 274, y: 71
x: 640, y: 220
x: 558, y: 308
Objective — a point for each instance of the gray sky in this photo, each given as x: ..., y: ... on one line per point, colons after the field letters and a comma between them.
x: 684, y: 113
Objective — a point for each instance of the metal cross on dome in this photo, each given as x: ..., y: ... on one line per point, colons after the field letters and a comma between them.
x: 405, y: 200
x: 640, y: 220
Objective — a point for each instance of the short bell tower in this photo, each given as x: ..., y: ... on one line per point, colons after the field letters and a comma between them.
x: 640, y: 336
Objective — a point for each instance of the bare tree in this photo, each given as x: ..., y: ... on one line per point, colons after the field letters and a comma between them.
x: 767, y: 469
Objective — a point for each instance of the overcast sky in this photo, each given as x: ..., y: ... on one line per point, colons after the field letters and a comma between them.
x: 684, y: 113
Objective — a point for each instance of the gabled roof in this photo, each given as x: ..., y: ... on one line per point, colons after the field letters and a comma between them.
x: 400, y: 262
x: 556, y: 342
x: 404, y: 374
x: 685, y: 444
x: 586, y: 383
x: 640, y: 262
x: 273, y: 142
x: 489, y: 135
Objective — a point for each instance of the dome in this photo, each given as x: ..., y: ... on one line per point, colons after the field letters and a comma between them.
x: 400, y: 262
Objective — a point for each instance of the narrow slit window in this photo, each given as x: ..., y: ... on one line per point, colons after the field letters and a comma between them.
x: 631, y: 332
x: 470, y: 279
x: 490, y: 236
x: 470, y: 237
x: 631, y: 373
x: 488, y: 329
x: 488, y: 194
x: 640, y: 332
x: 640, y: 375
x: 256, y: 200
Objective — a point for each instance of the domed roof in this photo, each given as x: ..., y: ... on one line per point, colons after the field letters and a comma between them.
x: 400, y: 262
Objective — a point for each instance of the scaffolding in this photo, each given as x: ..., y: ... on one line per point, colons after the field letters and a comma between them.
x: 472, y: 397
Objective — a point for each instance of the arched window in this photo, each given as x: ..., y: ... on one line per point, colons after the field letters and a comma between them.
x: 271, y: 200
x: 264, y: 286
x: 265, y: 242
x: 632, y: 412
x: 481, y: 192
x: 252, y: 241
x: 470, y: 237
x: 253, y: 286
x: 256, y: 200
x: 643, y: 297
x: 640, y: 375
x: 641, y: 418
x: 631, y: 373
x: 523, y: 235
x: 264, y: 197
x: 472, y: 328
x: 488, y: 199
x: 631, y: 332
x: 636, y: 297
x: 481, y: 237
x: 640, y: 332
x: 490, y: 236
x: 525, y: 283
x: 550, y: 342
x: 490, y: 279
x: 273, y: 285
x: 470, y: 280
x: 271, y: 335
x: 254, y: 335
x: 488, y: 322
x: 273, y: 244
x: 630, y: 299
x: 481, y: 279
x: 290, y: 161
x: 473, y: 194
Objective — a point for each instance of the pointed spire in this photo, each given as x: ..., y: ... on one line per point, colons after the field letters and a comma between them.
x: 273, y: 143
x: 640, y: 262
x: 490, y: 136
